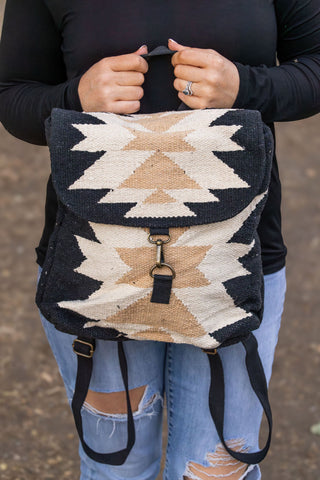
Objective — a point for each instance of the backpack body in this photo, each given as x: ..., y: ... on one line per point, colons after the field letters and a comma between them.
x: 195, y: 180
x: 156, y: 235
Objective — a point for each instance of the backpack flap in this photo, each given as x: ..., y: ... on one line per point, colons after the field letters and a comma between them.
x: 172, y: 169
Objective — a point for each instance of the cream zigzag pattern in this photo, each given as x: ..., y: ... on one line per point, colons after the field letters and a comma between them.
x: 159, y: 161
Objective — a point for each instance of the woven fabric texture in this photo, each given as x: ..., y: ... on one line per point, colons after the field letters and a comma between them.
x: 202, y: 173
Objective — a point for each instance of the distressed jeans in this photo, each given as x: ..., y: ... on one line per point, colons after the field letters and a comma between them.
x: 181, y: 372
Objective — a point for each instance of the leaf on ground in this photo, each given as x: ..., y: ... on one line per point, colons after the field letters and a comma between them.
x: 315, y: 429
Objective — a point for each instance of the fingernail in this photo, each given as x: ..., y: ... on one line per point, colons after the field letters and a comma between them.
x: 172, y: 40
x: 142, y: 46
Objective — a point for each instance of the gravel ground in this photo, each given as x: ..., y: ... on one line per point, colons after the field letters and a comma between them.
x: 37, y: 432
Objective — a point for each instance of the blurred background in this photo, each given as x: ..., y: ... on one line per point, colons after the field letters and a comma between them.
x: 37, y: 438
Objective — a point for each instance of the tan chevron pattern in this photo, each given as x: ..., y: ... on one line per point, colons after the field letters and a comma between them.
x: 204, y: 259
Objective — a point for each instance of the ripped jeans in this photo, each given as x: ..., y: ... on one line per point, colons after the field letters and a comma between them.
x: 181, y: 372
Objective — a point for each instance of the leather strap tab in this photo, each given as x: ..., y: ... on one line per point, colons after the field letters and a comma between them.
x: 159, y: 231
x: 162, y: 285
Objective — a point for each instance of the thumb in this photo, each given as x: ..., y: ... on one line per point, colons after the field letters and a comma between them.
x: 173, y: 45
x: 142, y: 50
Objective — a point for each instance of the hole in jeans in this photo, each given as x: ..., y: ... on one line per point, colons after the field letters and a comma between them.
x: 114, y: 402
x: 108, y: 407
x: 222, y: 465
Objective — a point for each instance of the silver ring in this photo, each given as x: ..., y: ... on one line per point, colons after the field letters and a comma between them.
x: 187, y: 90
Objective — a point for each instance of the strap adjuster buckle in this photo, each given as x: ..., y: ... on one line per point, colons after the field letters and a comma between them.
x: 210, y: 352
x: 81, y: 353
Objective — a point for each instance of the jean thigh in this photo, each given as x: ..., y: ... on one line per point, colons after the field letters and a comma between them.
x: 107, y: 432
x: 243, y: 409
x: 145, y: 362
x: 193, y: 442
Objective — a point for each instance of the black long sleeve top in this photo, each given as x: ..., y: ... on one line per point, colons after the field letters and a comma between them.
x: 47, y: 45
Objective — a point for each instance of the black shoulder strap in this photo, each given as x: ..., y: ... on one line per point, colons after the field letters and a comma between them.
x: 259, y: 385
x: 84, y: 349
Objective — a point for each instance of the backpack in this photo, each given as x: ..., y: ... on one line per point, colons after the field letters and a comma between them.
x: 156, y: 239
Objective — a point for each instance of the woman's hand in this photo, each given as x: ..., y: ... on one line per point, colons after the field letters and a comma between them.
x: 114, y: 83
x: 215, y: 79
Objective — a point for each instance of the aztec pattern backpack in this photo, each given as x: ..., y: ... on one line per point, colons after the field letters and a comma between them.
x: 156, y: 239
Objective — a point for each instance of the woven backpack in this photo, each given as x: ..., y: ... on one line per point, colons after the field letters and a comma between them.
x: 156, y: 239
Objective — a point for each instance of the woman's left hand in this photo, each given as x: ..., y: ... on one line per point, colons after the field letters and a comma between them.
x: 215, y: 79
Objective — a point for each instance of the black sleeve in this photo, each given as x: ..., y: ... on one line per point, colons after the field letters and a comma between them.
x: 32, y: 73
x: 291, y: 90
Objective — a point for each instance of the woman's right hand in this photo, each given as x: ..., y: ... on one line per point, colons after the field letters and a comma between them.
x: 114, y: 83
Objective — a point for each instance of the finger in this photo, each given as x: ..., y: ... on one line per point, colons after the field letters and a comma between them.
x: 173, y: 45
x: 128, y: 62
x: 129, y: 78
x: 189, y: 73
x: 180, y: 85
x: 142, y: 50
x: 126, y: 106
x: 128, y: 93
x: 198, y: 57
x: 192, y: 101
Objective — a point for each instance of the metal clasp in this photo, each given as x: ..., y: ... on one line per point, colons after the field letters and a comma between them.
x: 160, y: 266
x: 160, y: 262
x: 150, y: 239
x: 214, y: 352
x: 159, y: 244
x: 85, y: 343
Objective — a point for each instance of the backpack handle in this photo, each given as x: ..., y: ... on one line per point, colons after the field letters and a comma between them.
x: 163, y: 50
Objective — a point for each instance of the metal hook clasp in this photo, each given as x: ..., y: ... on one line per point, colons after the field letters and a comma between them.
x: 159, y: 244
x: 160, y: 262
x: 160, y: 266
x: 150, y: 239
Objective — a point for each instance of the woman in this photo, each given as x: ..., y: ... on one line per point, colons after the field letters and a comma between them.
x: 84, y: 56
